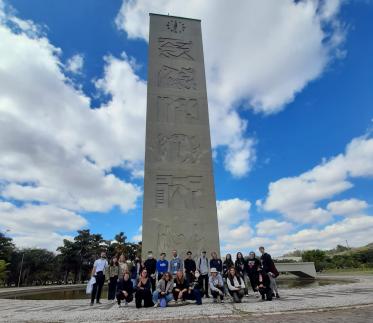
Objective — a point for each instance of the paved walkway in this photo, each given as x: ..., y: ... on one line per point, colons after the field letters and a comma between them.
x: 326, y: 298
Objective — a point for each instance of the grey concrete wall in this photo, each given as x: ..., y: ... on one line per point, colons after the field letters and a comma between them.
x: 179, y: 209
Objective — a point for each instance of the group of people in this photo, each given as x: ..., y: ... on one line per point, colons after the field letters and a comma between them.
x: 157, y: 282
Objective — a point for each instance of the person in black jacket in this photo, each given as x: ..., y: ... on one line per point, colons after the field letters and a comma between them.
x: 215, y: 262
x: 151, y: 267
x: 264, y: 285
x: 270, y: 268
x: 143, y: 291
x: 228, y: 263
x: 189, y: 266
x: 181, y: 287
x: 252, y: 266
x: 125, y: 289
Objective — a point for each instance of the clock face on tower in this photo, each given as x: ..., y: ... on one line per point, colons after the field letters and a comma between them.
x: 175, y: 26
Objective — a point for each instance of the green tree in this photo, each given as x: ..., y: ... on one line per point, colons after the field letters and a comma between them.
x: 3, y: 271
x: 317, y: 256
x: 6, y: 247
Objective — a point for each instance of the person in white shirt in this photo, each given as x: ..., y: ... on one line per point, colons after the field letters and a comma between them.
x: 236, y: 285
x: 99, y: 268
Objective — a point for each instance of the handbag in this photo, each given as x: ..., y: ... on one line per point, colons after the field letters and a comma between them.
x: 90, y: 284
x: 162, y: 302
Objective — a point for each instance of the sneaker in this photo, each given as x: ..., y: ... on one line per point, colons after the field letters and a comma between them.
x: 277, y: 295
x: 257, y: 295
x: 125, y: 303
x: 91, y: 304
x: 214, y: 300
x: 119, y: 305
x: 156, y: 304
x: 98, y: 302
x: 222, y: 301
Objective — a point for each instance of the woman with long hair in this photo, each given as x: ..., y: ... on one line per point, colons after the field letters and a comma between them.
x: 228, y: 263
x: 143, y: 292
x: 236, y: 285
x: 124, y: 289
x: 113, y: 274
x: 180, y: 287
x: 164, y: 289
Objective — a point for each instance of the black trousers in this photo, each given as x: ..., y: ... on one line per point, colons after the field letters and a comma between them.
x: 112, y: 288
x: 146, y: 295
x: 254, y: 282
x: 152, y: 282
x: 121, y: 297
x: 216, y: 294
x: 97, y: 287
x: 205, y: 282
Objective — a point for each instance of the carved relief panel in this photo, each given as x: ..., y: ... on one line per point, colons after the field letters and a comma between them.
x: 178, y: 192
x: 182, y: 78
x: 175, y: 48
x: 177, y: 110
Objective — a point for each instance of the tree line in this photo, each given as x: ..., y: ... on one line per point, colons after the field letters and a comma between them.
x: 71, y: 263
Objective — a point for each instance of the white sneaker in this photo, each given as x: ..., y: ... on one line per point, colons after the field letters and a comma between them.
x: 119, y: 306
x: 156, y: 305
x: 125, y: 303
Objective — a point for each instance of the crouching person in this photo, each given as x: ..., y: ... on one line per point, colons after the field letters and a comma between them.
x: 216, y: 285
x: 180, y: 290
x: 124, y: 289
x: 163, y: 290
x: 264, y: 285
x: 236, y: 285
x: 195, y: 291
x: 143, y: 292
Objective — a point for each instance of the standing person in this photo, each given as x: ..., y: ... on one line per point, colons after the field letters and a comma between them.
x: 189, y: 266
x: 264, y: 285
x: 112, y: 276
x: 143, y: 292
x: 175, y: 263
x: 180, y: 290
x: 136, y: 270
x: 164, y: 289
x: 270, y: 268
x: 162, y: 265
x: 252, y: 266
x: 236, y: 285
x: 151, y: 266
x: 216, y: 263
x: 122, y: 265
x: 216, y: 285
x: 240, y: 265
x: 203, y: 268
x: 228, y: 263
x: 195, y: 288
x: 98, y: 271
x: 125, y: 289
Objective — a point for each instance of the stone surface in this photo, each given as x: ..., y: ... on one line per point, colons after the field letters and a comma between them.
x: 332, y: 303
x: 300, y: 269
x: 179, y: 210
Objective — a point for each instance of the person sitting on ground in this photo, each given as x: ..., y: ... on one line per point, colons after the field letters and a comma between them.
x: 195, y: 290
x: 180, y: 287
x: 236, y: 285
x: 162, y: 265
x: 164, y: 289
x: 216, y: 285
x: 125, y: 289
x: 143, y: 292
x: 264, y: 285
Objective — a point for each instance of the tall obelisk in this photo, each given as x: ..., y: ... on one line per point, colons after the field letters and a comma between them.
x: 179, y: 210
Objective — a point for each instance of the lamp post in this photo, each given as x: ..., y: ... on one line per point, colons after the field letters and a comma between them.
x: 20, y: 271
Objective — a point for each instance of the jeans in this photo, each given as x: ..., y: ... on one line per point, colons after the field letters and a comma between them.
x: 215, y: 294
x: 237, y: 295
x: 273, y: 284
x: 157, y: 296
x: 195, y: 295
x: 205, y: 281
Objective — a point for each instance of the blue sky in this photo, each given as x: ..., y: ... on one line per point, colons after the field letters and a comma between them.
x: 290, y: 101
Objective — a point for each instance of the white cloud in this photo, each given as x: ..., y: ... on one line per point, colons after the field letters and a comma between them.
x: 55, y: 149
x: 347, y: 207
x: 297, y: 197
x: 256, y: 54
x: 75, y: 64
x: 233, y: 219
x: 138, y: 236
x: 272, y: 227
